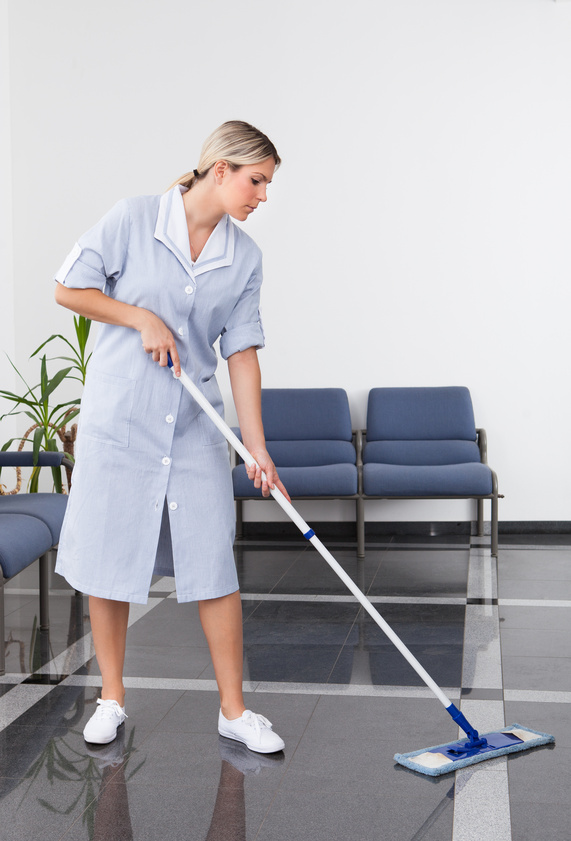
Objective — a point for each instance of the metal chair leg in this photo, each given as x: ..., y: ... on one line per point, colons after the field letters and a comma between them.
x: 45, y: 591
x: 480, y: 503
x: 495, y: 496
x: 239, y: 519
x: 2, y: 628
x: 495, y: 525
x: 360, y: 527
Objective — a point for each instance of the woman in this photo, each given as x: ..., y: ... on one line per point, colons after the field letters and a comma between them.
x: 152, y: 489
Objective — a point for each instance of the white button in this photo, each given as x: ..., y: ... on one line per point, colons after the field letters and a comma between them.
x: 166, y: 460
x: 189, y: 290
x: 169, y: 418
x: 173, y: 506
x: 181, y: 331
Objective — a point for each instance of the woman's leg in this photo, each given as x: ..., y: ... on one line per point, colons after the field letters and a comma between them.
x: 222, y: 625
x: 109, y: 628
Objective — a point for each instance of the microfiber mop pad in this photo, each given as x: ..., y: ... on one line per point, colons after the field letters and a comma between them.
x: 441, y: 759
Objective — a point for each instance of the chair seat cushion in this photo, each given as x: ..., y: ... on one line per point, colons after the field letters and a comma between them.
x: 390, y: 480
x: 421, y: 452
x: 49, y: 508
x: 22, y: 540
x: 311, y: 453
x: 332, y: 480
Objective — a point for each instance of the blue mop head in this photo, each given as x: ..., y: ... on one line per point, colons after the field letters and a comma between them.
x: 436, y: 761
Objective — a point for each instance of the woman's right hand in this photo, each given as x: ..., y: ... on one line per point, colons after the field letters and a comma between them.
x: 159, y: 341
x: 93, y: 303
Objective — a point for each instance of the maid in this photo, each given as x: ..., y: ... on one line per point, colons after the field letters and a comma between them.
x: 152, y: 488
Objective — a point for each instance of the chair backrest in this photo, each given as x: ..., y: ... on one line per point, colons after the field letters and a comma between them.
x: 307, y: 427
x: 420, y: 414
x: 306, y: 414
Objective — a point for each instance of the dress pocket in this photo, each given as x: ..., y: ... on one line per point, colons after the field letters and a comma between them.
x: 209, y: 432
x: 106, y: 408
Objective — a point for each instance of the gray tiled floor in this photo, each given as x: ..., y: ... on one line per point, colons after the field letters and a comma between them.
x: 338, y: 692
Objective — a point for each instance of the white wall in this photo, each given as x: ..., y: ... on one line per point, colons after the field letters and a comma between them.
x: 7, y: 320
x: 418, y: 231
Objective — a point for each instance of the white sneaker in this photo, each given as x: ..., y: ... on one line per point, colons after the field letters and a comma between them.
x: 252, y: 730
x: 102, y: 726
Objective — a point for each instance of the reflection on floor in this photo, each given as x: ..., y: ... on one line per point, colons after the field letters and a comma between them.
x: 494, y: 636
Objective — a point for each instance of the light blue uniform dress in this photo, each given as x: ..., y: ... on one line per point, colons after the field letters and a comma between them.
x: 152, y: 488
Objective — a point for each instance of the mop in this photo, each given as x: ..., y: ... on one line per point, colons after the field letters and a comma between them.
x: 434, y: 761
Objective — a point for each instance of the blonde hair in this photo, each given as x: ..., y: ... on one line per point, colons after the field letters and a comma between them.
x: 236, y: 142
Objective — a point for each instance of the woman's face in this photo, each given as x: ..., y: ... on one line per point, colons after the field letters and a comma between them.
x: 241, y: 190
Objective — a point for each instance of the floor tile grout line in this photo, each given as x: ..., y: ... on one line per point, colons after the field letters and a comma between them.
x: 344, y: 643
x: 435, y: 815
x: 262, y: 687
x: 250, y: 597
x: 315, y: 598
x: 562, y: 603
x: 291, y: 566
x: 377, y: 570
x: 334, y: 690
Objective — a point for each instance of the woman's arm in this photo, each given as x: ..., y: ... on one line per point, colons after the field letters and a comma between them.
x: 94, y: 304
x: 246, y: 382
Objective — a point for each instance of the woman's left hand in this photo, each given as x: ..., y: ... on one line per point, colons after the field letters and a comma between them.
x: 266, y: 465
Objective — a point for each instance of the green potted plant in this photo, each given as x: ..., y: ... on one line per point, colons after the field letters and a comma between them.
x: 50, y: 421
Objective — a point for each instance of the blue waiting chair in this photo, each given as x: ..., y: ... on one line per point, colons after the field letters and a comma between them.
x: 30, y: 526
x: 311, y: 441
x: 422, y: 443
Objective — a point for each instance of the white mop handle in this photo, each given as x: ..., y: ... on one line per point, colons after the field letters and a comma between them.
x: 313, y: 539
x: 238, y: 446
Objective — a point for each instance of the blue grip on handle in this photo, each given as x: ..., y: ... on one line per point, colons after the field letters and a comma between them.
x: 474, y: 739
x: 169, y: 360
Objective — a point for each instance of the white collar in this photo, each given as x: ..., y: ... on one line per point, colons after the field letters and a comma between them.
x: 172, y: 230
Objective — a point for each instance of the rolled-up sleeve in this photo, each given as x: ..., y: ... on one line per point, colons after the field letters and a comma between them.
x: 244, y: 327
x: 99, y: 255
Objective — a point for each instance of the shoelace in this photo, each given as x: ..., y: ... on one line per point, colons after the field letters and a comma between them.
x: 256, y: 721
x: 108, y: 709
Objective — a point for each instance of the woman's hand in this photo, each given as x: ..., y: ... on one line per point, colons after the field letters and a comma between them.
x: 93, y: 303
x: 245, y: 379
x: 158, y: 340
x: 266, y: 465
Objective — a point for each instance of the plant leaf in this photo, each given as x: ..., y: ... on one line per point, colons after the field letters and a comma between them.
x: 8, y: 444
x: 64, y: 419
x: 43, y: 378
x: 75, y: 402
x: 35, y: 416
x: 51, y: 385
x: 19, y: 374
x: 51, y: 338
x: 65, y: 358
x: 34, y: 480
x: 38, y: 435
x: 13, y: 398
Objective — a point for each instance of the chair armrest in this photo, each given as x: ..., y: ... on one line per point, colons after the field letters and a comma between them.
x: 483, y: 445
x: 26, y: 459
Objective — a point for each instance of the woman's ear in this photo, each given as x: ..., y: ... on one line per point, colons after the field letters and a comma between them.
x: 220, y: 169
